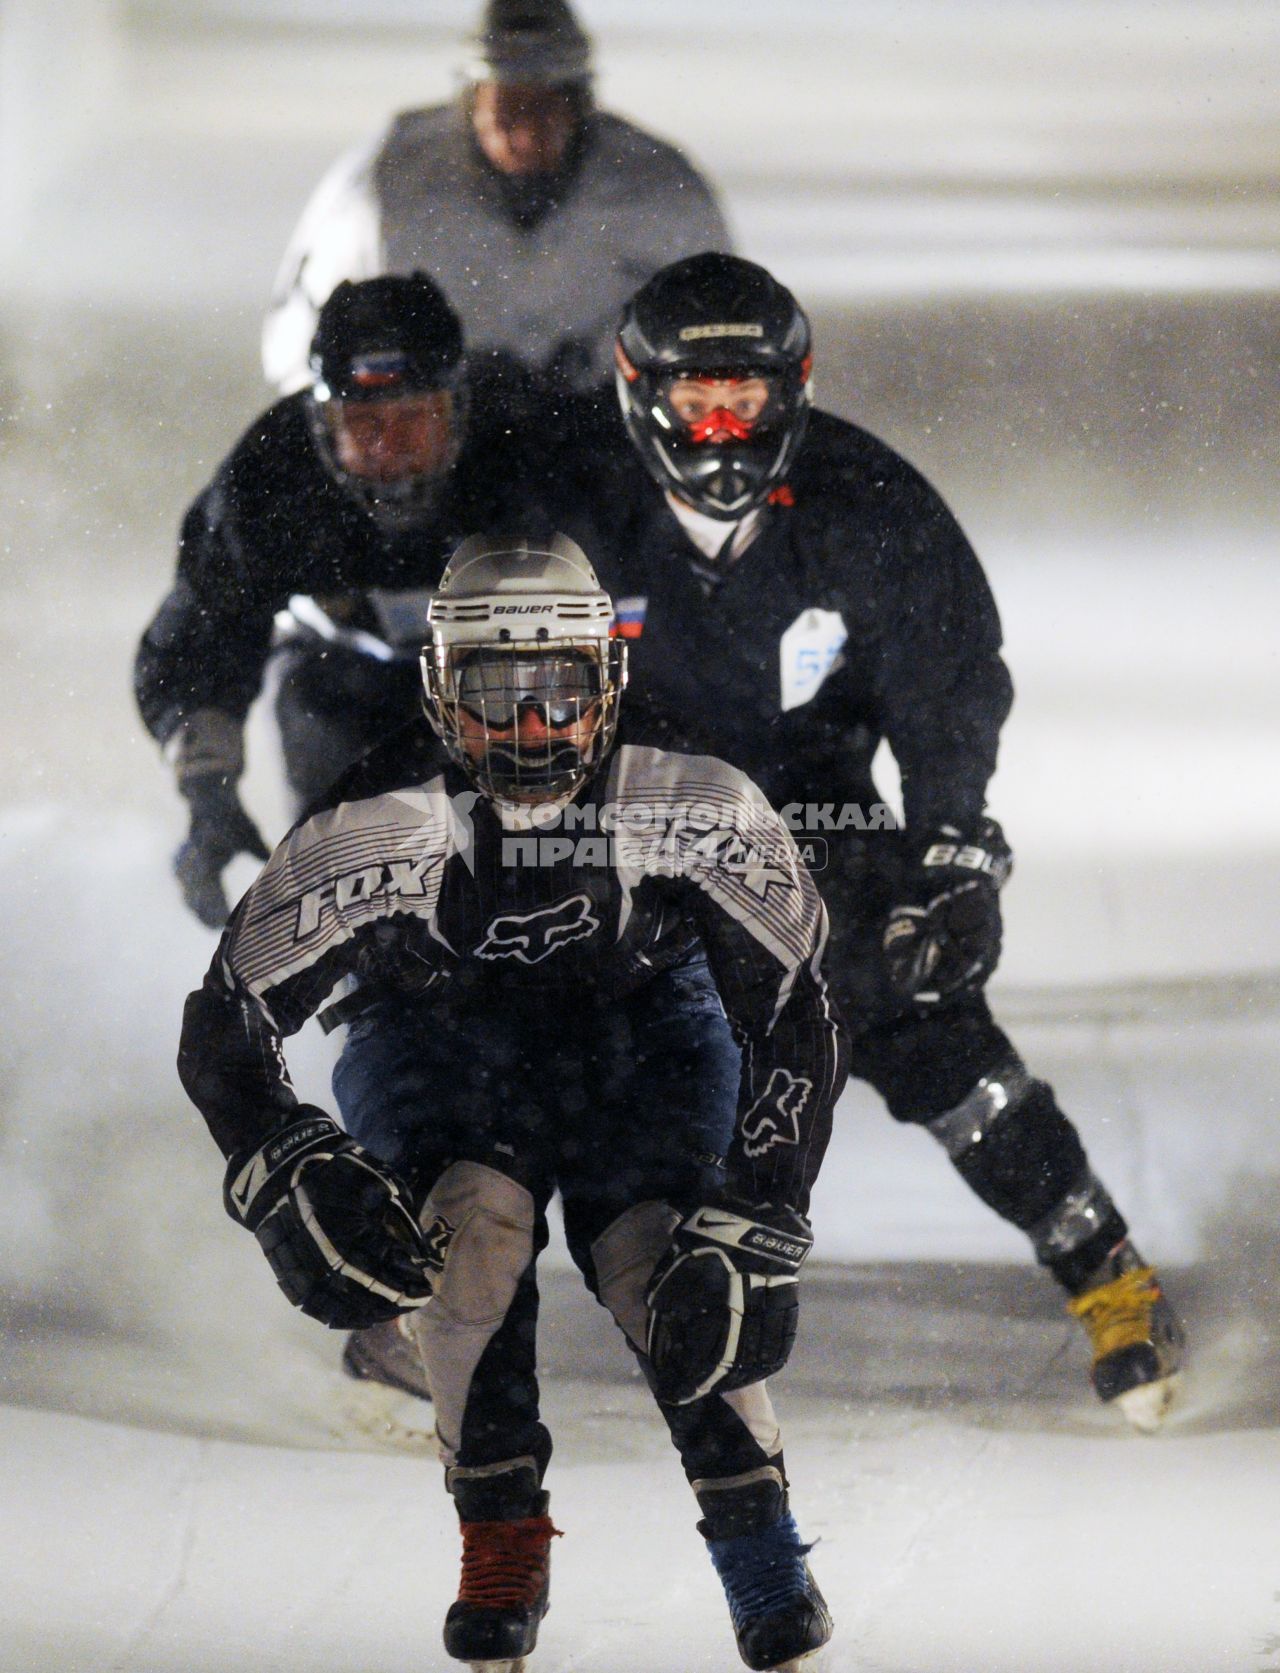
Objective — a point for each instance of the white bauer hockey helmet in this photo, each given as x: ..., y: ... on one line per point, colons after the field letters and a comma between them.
x: 521, y: 674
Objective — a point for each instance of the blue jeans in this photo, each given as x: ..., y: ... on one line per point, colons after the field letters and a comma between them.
x: 612, y: 1104
x: 617, y: 1106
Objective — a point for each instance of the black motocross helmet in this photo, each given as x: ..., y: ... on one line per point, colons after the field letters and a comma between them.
x: 379, y: 345
x: 715, y: 316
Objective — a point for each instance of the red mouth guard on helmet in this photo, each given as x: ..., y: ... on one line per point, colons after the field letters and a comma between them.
x: 721, y: 425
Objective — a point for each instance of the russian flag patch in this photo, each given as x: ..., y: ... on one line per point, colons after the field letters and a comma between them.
x: 628, y: 618
x: 377, y: 371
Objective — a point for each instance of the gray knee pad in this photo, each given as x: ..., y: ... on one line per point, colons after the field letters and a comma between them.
x: 754, y: 1409
x: 624, y: 1256
x: 482, y: 1225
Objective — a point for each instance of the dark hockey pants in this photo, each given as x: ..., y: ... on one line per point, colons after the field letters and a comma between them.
x: 331, y: 705
x: 951, y: 1069
x: 488, y: 1109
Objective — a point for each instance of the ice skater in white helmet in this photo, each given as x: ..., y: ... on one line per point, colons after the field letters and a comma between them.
x: 588, y: 958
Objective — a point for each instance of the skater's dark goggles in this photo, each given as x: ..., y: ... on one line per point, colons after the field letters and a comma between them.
x: 493, y: 688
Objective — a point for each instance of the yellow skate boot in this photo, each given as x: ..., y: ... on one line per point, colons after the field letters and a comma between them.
x: 1138, y: 1345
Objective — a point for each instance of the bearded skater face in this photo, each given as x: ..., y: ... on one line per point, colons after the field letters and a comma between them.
x: 523, y: 129
x: 394, y: 440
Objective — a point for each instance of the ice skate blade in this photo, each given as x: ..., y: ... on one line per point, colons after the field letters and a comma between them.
x: 392, y: 1418
x: 498, y: 1666
x: 812, y: 1661
x: 1145, y: 1408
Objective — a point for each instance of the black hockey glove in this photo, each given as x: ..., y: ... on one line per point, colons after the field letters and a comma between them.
x: 334, y: 1222
x: 946, y: 943
x: 220, y: 829
x: 724, y: 1299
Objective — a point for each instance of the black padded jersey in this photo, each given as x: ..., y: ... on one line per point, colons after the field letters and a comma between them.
x: 420, y: 887
x: 273, y: 523
x: 859, y: 611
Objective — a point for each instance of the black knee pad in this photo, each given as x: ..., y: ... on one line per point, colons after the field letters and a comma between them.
x: 1018, y: 1152
x: 1027, y: 1160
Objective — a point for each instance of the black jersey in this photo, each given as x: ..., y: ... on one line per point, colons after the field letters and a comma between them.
x: 858, y: 612
x: 428, y: 888
x: 272, y: 525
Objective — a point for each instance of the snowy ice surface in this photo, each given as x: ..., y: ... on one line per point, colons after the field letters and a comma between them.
x: 1042, y: 244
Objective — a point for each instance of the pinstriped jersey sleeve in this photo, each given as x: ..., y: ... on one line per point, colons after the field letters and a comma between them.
x: 297, y: 932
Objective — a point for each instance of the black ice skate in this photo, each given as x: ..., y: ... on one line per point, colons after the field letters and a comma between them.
x: 1138, y: 1344
x: 506, y: 1570
x: 779, y: 1616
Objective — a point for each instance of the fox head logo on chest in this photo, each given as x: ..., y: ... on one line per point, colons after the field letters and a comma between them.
x: 533, y: 936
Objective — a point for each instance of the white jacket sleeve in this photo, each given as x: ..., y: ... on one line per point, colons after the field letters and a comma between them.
x: 339, y: 237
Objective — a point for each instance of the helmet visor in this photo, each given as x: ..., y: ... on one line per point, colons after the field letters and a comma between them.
x: 495, y: 687
x: 394, y: 439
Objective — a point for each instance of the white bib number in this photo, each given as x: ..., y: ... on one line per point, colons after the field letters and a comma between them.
x: 808, y: 651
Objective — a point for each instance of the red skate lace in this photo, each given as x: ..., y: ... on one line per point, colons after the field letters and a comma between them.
x: 504, y: 1564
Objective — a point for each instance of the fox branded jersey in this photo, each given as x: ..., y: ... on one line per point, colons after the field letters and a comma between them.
x: 857, y: 612
x: 423, y: 888
x: 273, y: 524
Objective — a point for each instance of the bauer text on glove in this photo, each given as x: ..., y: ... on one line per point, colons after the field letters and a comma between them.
x: 944, y: 942
x: 335, y: 1223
